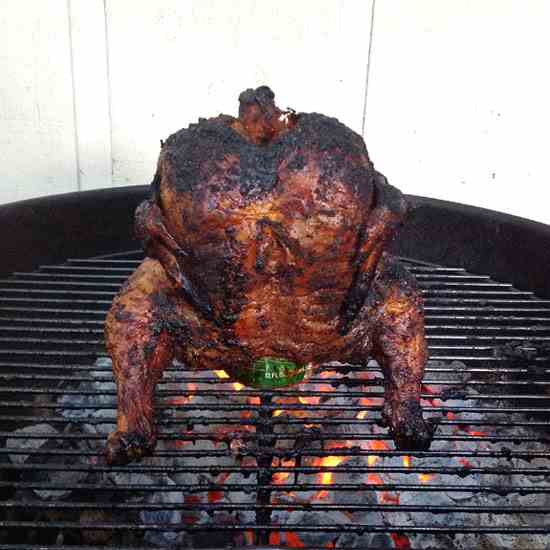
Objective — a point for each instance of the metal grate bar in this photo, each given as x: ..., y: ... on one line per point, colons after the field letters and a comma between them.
x: 500, y: 510
x: 501, y: 490
x: 504, y: 452
x: 52, y: 320
x: 343, y: 528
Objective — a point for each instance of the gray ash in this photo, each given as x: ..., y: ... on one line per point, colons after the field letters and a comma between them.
x: 204, y: 471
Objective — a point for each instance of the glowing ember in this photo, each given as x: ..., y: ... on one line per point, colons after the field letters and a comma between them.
x: 400, y: 541
x: 374, y: 479
x: 221, y: 374
x: 325, y: 478
x: 183, y: 399
x: 375, y: 445
x: 277, y: 413
x: 425, y: 478
x: 372, y: 460
x: 253, y: 400
x: 180, y: 400
x: 364, y: 401
x: 407, y: 461
x: 281, y: 477
x: 467, y: 430
x: 237, y: 386
x: 361, y: 415
x: 475, y: 433
x: 329, y: 374
x: 329, y: 462
x: 214, y: 496
x: 309, y: 400
x: 388, y: 498
x: 293, y: 540
x: 331, y: 445
x: 432, y: 401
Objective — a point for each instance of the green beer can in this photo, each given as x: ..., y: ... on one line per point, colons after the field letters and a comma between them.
x: 273, y: 372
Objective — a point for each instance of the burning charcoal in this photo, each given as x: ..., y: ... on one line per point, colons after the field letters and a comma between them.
x: 319, y: 538
x: 172, y: 516
x: 29, y: 443
x: 63, y: 477
x: 430, y: 498
x: 103, y: 387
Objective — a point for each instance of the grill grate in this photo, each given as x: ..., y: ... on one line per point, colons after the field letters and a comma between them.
x: 489, y: 369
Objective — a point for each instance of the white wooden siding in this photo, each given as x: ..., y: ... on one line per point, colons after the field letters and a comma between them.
x: 37, y: 131
x: 456, y: 105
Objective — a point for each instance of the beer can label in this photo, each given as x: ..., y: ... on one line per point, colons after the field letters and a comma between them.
x: 273, y: 372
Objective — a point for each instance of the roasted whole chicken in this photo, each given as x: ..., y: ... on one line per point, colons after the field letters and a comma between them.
x: 265, y: 240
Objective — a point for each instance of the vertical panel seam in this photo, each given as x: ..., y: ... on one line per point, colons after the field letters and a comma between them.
x: 73, y: 85
x: 109, y: 92
x: 371, y: 35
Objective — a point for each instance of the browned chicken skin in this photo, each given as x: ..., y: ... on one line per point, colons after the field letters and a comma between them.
x: 265, y: 237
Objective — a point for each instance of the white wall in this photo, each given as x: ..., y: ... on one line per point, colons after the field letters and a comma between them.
x: 456, y: 93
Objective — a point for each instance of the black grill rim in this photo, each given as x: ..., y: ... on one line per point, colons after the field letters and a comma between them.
x: 89, y: 223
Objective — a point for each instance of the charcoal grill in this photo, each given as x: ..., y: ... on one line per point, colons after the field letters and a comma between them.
x: 488, y: 347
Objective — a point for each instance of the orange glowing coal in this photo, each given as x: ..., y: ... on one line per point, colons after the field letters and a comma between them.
x: 400, y: 541
x: 425, y: 478
x: 329, y: 374
x: 467, y: 430
x: 464, y: 462
x: 330, y: 462
x: 432, y: 401
x: 277, y: 413
x: 475, y: 433
x: 375, y: 445
x: 293, y: 540
x: 374, y: 479
x: 388, y: 498
x: 362, y: 414
x: 325, y: 478
x: 183, y: 399
x: 221, y: 374
x: 407, y: 461
x: 309, y: 400
x: 280, y: 477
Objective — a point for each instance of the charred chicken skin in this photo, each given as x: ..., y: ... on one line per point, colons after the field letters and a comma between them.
x: 265, y: 237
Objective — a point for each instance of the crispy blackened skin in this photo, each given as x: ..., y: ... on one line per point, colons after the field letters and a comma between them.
x: 265, y: 236
x: 385, y: 218
x: 158, y: 243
